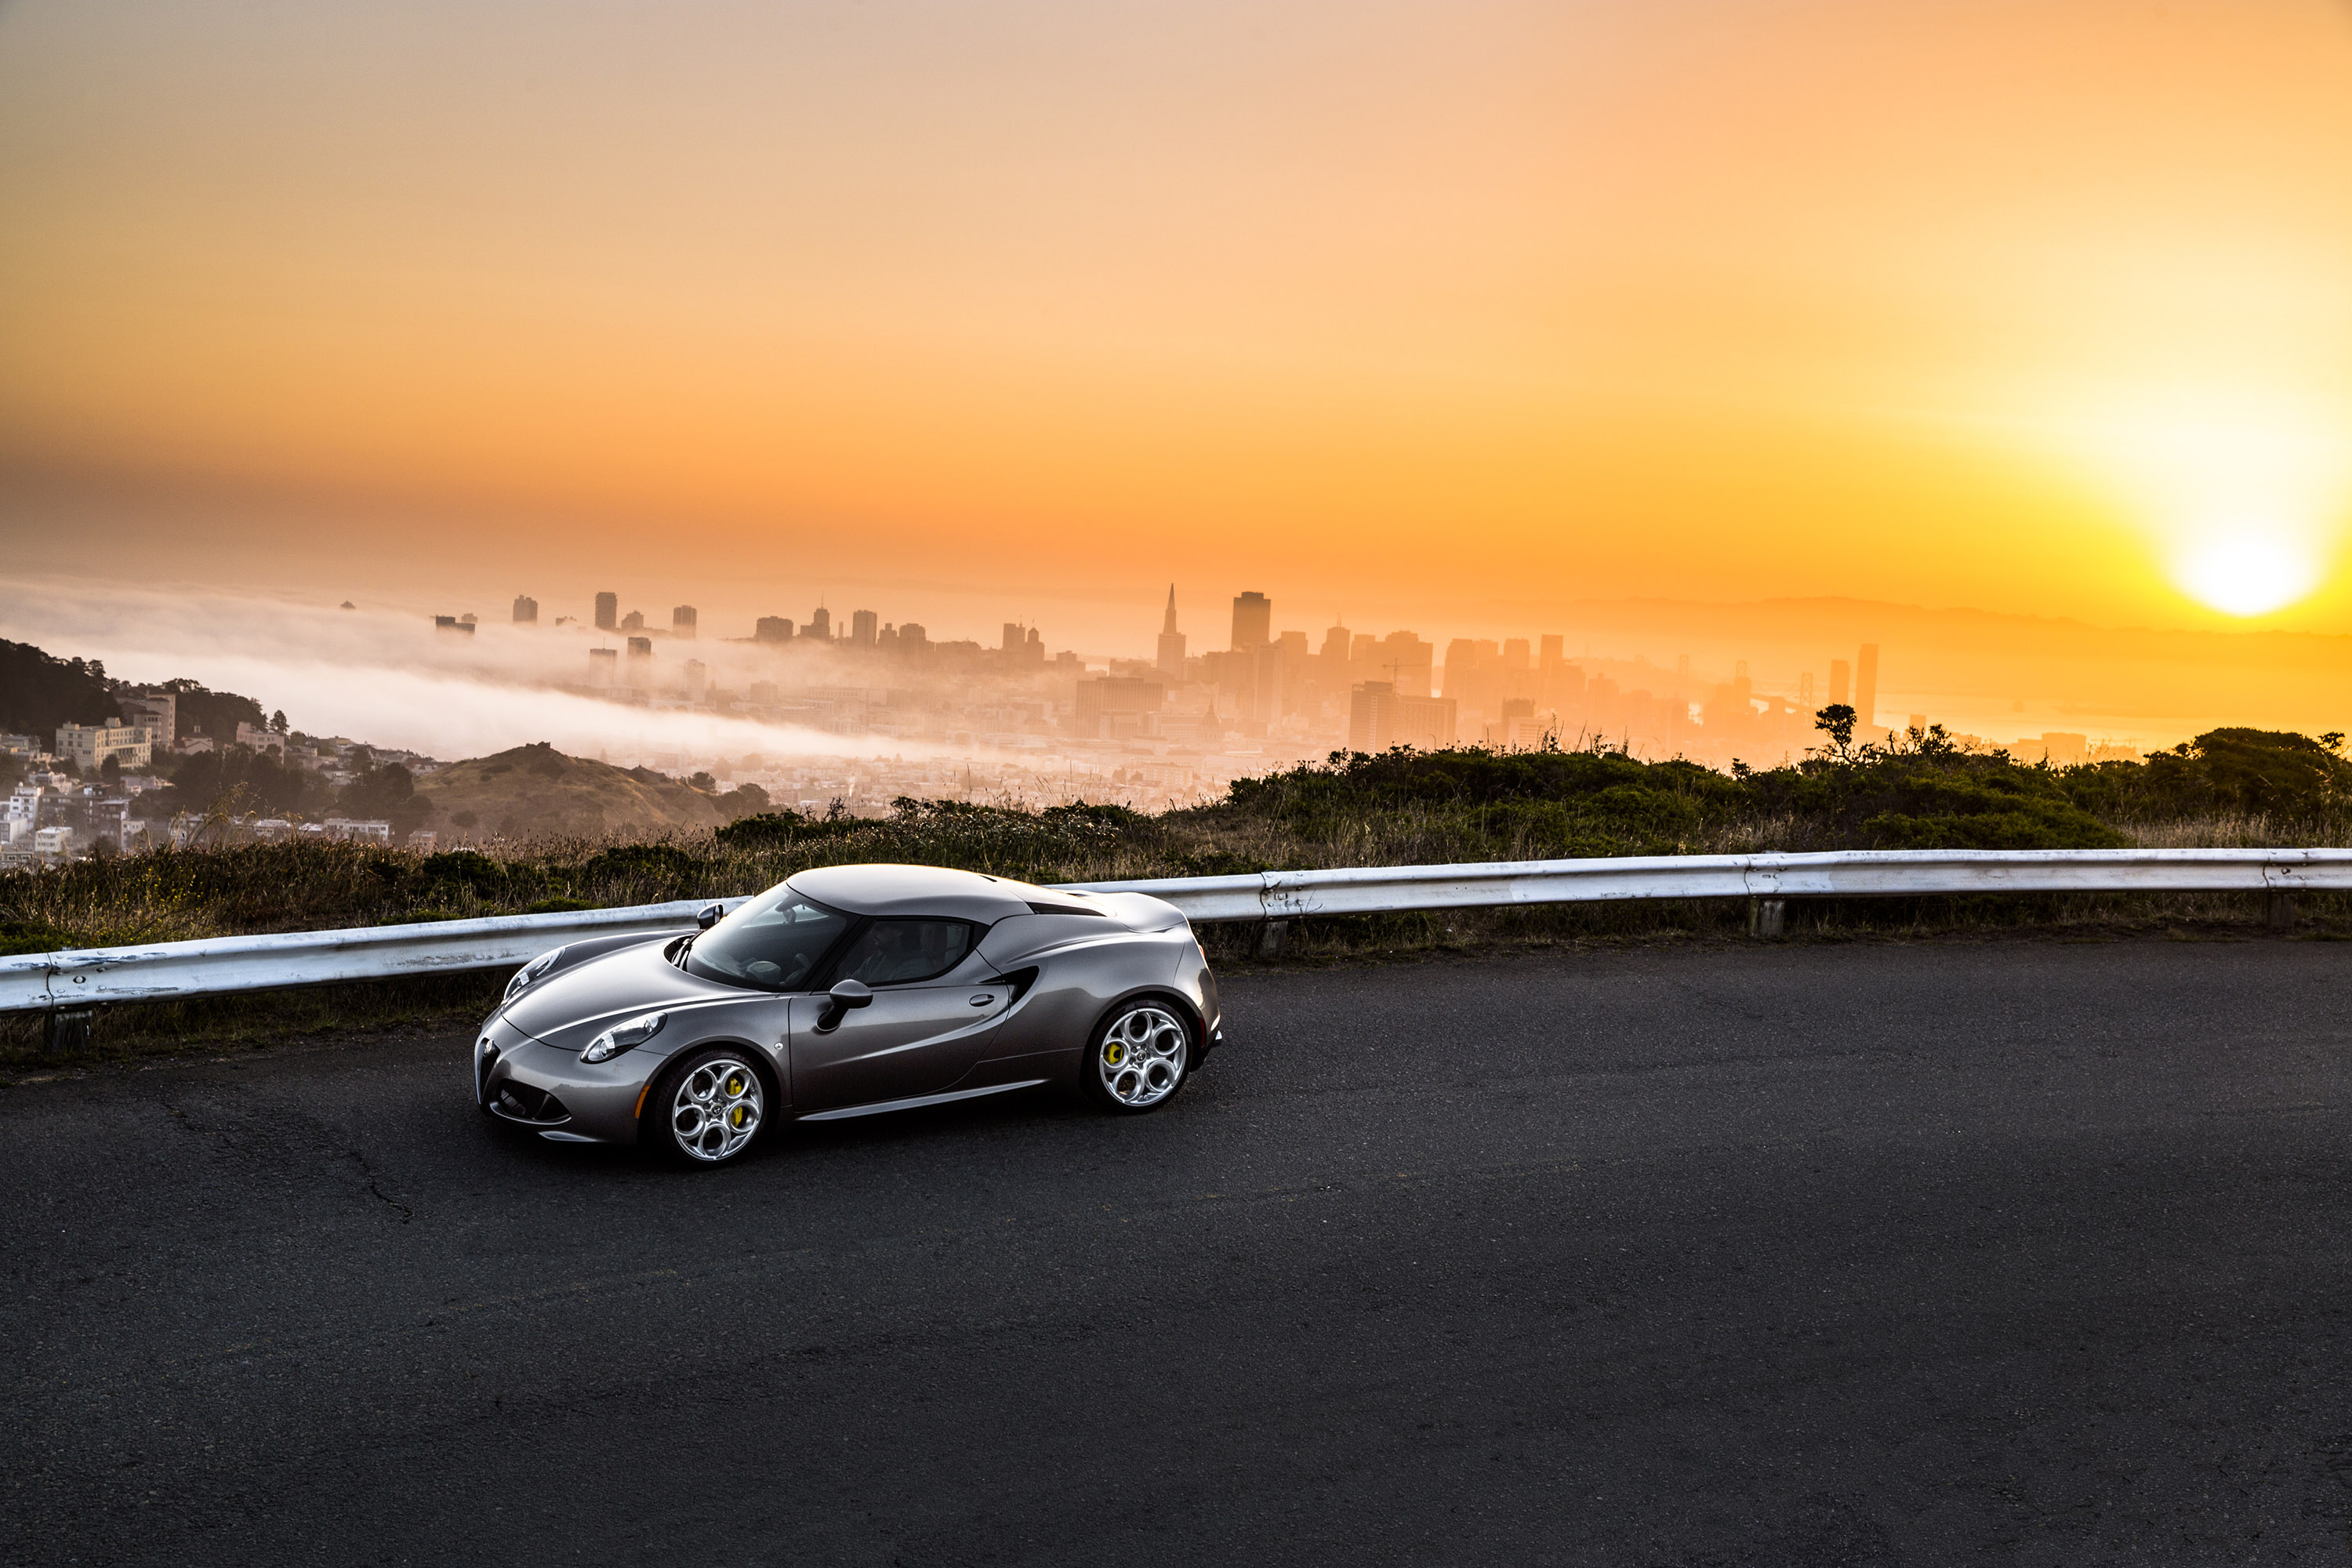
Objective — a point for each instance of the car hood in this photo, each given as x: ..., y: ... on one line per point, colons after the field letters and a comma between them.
x: 610, y: 987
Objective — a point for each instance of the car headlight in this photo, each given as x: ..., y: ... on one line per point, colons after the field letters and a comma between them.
x: 621, y: 1036
x: 531, y: 972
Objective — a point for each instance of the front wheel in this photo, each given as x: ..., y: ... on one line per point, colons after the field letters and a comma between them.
x: 1140, y: 1056
x: 705, y: 1110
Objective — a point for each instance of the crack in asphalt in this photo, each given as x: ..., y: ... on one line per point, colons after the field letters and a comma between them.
x: 319, y: 1142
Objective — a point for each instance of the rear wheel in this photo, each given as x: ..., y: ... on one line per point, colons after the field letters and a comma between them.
x: 706, y: 1109
x: 1140, y: 1056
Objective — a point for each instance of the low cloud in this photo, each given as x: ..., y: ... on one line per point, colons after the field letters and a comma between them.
x: 387, y: 678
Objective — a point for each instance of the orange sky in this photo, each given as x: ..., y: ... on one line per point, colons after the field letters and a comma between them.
x: 2032, y: 306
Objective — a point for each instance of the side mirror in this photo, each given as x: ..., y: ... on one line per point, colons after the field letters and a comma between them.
x: 710, y: 916
x: 845, y: 994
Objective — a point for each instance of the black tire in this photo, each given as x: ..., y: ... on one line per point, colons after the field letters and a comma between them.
x: 1140, y: 1056
x: 699, y: 1103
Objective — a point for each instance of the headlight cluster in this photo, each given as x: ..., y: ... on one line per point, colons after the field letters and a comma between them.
x: 621, y: 1036
x: 530, y: 971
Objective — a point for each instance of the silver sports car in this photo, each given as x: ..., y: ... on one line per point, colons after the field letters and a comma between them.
x: 845, y: 992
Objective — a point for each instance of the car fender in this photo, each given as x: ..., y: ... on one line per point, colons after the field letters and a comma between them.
x: 1077, y: 984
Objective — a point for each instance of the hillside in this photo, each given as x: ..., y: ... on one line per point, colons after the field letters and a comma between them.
x: 536, y: 789
x: 38, y: 691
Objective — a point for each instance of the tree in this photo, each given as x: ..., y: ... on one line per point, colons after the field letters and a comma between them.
x: 278, y: 720
x: 387, y: 794
x: 1837, y: 721
x: 110, y: 770
x: 744, y: 800
x: 38, y: 693
x: 203, y: 712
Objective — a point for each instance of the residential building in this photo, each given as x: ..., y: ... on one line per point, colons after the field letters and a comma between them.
x: 91, y: 815
x: 88, y: 746
x: 158, y: 713
x: 260, y: 739
x: 23, y: 813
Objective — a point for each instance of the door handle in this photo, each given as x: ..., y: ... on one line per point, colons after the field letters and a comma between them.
x: 984, y: 999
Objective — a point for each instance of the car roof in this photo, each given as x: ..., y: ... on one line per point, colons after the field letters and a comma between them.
x: 916, y: 891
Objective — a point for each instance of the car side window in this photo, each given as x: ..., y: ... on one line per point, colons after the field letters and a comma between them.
x: 899, y: 952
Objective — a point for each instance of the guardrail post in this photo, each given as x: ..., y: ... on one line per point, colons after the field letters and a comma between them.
x: 1272, y: 938
x: 64, y: 1030
x: 2278, y: 911
x: 1766, y: 917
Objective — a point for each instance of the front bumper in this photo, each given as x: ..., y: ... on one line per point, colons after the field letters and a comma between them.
x: 555, y: 1094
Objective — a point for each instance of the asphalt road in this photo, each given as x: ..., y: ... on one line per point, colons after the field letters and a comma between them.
x: 2018, y: 1253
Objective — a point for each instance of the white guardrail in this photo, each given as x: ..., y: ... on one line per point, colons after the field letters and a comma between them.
x: 168, y: 971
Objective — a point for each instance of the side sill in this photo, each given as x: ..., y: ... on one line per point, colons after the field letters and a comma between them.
x: 567, y: 1137
x: 846, y: 1112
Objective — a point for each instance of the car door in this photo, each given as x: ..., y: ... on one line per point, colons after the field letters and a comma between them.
x: 927, y: 1026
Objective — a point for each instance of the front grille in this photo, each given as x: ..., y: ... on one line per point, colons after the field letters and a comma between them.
x: 521, y: 1102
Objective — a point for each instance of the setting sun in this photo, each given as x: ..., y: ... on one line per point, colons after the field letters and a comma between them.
x: 2246, y: 573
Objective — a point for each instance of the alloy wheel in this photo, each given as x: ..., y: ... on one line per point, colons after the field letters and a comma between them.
x: 716, y: 1110
x: 1142, y: 1055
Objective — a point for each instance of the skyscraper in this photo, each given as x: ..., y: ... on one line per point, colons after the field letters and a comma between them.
x: 1865, y: 691
x: 681, y: 621
x: 525, y: 610
x: 771, y: 628
x: 608, y: 612
x: 862, y: 626
x: 1253, y: 620
x: 1840, y: 681
x: 1331, y: 664
x: 1171, y: 662
x: 820, y: 625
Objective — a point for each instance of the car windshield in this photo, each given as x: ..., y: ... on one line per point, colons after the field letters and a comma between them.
x: 773, y: 941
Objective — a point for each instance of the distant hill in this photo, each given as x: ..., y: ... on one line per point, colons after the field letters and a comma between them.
x: 38, y: 691
x: 536, y: 790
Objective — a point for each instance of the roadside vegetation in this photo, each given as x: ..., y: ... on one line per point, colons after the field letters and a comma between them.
x: 2227, y: 787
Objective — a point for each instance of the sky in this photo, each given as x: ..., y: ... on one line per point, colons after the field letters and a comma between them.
x: 1455, y: 316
